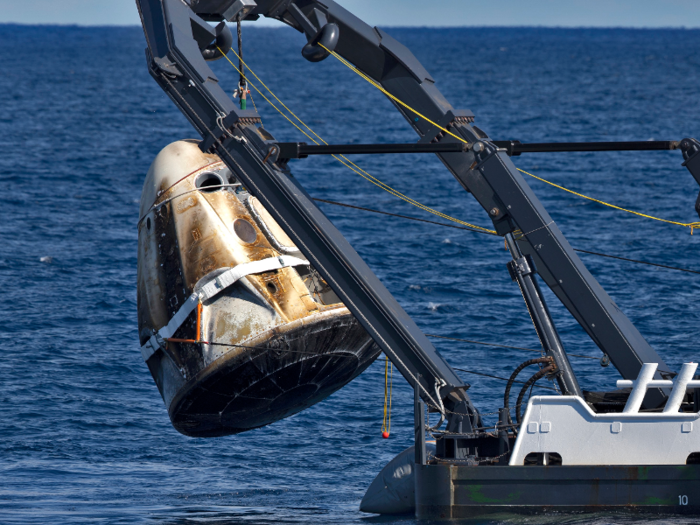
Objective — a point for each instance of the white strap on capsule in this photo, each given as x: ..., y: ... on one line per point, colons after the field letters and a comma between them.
x: 211, y: 289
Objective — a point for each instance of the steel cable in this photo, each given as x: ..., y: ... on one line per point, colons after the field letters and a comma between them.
x: 408, y: 217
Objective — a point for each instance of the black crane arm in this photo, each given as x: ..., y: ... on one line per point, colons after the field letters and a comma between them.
x: 176, y: 38
x: 489, y: 175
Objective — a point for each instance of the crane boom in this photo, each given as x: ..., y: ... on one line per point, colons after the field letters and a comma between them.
x: 176, y: 63
x: 179, y: 38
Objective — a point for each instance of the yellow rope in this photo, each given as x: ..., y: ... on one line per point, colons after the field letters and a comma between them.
x: 388, y: 385
x: 341, y: 158
x: 392, y: 97
x: 690, y: 225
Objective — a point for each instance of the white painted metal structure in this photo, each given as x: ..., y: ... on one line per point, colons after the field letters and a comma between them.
x: 566, y: 425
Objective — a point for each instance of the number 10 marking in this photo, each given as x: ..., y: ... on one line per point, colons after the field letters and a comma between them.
x: 682, y: 500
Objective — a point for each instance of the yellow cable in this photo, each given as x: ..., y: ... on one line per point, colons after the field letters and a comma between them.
x: 392, y: 97
x: 275, y: 96
x: 345, y: 161
x: 690, y: 225
x: 342, y: 159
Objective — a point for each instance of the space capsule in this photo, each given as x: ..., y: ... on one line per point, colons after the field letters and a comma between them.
x: 238, y: 330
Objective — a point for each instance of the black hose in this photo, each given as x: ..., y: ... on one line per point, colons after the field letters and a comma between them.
x: 509, y: 385
x: 539, y: 375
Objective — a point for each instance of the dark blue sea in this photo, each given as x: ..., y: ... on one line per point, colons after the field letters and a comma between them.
x: 84, y: 434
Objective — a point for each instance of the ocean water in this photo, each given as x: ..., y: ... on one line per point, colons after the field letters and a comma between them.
x: 84, y: 435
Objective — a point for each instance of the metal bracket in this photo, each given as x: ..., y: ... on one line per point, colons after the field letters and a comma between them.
x: 521, y: 266
x: 451, y: 117
x: 239, y: 7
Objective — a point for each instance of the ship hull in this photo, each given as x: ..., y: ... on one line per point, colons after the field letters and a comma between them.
x: 447, y: 491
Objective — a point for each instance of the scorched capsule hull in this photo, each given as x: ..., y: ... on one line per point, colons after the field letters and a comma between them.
x: 263, y: 348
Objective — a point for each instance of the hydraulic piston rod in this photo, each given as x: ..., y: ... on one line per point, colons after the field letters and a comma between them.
x: 299, y: 150
x: 515, y: 147
x: 522, y: 270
